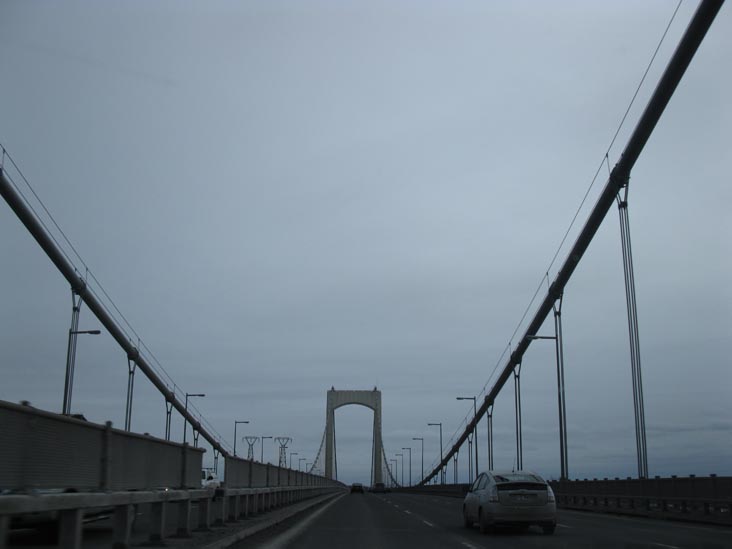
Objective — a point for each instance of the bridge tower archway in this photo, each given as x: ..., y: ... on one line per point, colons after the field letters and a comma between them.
x: 369, y: 399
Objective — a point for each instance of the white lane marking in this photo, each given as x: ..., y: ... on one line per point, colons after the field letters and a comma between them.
x: 428, y: 523
x: 407, y: 512
x: 563, y: 526
x: 470, y: 546
x: 664, y: 545
x: 287, y: 536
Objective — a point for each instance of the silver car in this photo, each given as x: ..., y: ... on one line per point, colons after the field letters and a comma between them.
x: 518, y: 498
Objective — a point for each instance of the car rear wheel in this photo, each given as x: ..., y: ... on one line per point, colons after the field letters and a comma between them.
x: 549, y: 529
x: 485, y: 528
x: 466, y: 521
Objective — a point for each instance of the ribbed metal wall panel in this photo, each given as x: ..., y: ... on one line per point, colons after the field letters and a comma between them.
x: 43, y: 450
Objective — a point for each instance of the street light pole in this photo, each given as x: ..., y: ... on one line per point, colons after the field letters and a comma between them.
x: 475, y: 430
x: 262, y: 460
x: 422, y: 441
x: 442, y: 469
x: 292, y: 454
x: 410, y: 464
x: 299, y: 463
x: 185, y: 418
x: 235, y: 425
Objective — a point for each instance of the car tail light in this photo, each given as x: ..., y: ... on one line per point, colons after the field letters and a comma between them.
x: 493, y: 494
x: 550, y: 494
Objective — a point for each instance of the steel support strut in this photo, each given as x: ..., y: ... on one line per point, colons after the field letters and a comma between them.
x: 168, y: 410
x: 131, y: 366
x: 470, y: 458
x: 76, y: 302
x: 517, y: 404
x: 559, y: 347
x: 489, y: 422
x: 633, y: 335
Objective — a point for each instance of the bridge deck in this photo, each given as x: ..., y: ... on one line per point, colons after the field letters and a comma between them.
x: 408, y: 520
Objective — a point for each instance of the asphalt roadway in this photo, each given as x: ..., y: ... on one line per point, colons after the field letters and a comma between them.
x: 393, y: 520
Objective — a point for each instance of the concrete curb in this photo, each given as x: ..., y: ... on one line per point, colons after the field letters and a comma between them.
x: 277, y: 517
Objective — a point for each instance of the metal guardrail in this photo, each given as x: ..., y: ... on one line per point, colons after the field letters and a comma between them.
x: 692, y: 498
x: 46, y: 451
x: 212, y: 506
x: 63, y: 468
x: 697, y: 499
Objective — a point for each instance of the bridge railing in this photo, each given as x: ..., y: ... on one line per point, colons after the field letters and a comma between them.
x: 243, y: 473
x: 189, y: 509
x: 698, y: 499
x: 47, y: 451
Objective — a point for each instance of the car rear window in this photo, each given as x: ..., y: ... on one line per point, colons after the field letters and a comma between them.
x: 517, y: 477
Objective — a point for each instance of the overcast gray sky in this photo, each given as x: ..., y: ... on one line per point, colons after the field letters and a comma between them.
x: 282, y: 197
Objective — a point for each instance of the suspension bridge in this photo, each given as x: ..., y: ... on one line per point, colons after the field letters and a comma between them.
x: 61, y: 466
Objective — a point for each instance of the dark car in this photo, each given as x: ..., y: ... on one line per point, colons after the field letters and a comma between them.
x: 357, y: 488
x: 516, y: 498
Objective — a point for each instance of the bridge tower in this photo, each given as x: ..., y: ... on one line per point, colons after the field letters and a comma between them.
x: 336, y: 399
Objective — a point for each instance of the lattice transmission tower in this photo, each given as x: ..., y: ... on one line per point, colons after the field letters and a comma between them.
x: 251, y: 441
x: 283, y: 442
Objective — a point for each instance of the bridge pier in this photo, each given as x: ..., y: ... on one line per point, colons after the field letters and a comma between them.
x: 122, y: 526
x: 234, y: 508
x: 204, y: 514
x: 70, y: 528
x: 4, y: 530
x: 157, y: 521
x: 184, y: 519
x: 220, y: 506
x: 246, y: 505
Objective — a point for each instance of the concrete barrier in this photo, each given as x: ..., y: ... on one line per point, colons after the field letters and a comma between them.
x: 242, y: 473
x: 43, y: 450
